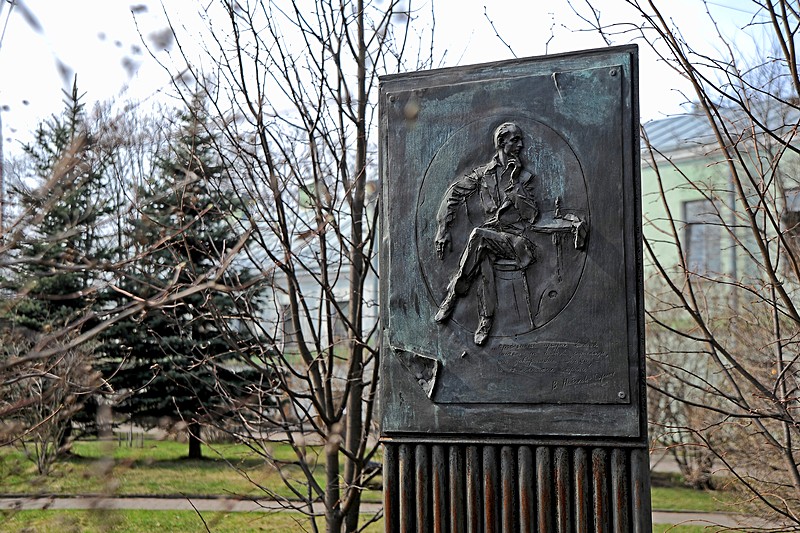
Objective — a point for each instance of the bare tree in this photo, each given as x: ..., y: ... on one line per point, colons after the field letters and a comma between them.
x: 293, y: 87
x: 673, y: 420
x: 721, y: 243
x: 48, y: 400
x: 50, y: 325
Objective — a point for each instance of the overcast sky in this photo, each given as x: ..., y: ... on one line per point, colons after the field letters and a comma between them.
x: 45, y: 42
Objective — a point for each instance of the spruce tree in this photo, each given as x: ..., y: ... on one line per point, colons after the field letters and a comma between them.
x: 171, y: 361
x: 63, y: 194
x: 53, y: 280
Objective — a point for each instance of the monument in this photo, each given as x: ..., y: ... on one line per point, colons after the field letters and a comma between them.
x: 511, y: 297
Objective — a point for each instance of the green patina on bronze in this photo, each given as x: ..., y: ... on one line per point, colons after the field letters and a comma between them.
x: 502, y: 319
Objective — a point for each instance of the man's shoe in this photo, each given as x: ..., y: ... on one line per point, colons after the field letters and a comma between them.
x: 446, y: 309
x: 482, y: 333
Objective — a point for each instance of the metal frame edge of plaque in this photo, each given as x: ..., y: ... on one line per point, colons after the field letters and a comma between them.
x: 511, y: 286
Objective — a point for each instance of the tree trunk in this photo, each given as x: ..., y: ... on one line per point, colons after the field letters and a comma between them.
x: 195, y: 452
x: 63, y: 442
x: 354, y: 422
x: 333, y: 517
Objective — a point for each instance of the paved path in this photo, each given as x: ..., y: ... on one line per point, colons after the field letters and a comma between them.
x: 232, y: 505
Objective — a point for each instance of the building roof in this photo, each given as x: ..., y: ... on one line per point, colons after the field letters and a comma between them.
x: 677, y: 133
x: 692, y: 131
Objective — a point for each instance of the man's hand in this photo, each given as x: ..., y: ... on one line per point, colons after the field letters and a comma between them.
x: 442, y: 242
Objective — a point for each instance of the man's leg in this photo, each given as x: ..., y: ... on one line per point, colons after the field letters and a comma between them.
x: 505, y: 246
x: 487, y: 291
x: 482, y: 246
x: 487, y: 301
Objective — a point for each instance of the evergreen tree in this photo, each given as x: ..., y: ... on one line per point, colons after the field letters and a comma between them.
x: 171, y: 362
x: 63, y: 194
x: 53, y: 282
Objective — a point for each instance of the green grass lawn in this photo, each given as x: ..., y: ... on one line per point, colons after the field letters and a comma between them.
x: 668, y: 494
x: 167, y: 521
x: 685, y: 499
x: 160, y: 468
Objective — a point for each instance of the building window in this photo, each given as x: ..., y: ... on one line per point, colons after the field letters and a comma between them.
x: 288, y: 330
x: 791, y: 219
x: 340, y: 331
x: 703, y: 233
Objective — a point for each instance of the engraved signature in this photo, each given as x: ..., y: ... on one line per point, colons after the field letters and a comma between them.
x: 570, y: 382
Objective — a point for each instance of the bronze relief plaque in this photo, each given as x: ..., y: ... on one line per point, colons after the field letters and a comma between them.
x: 510, y: 259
